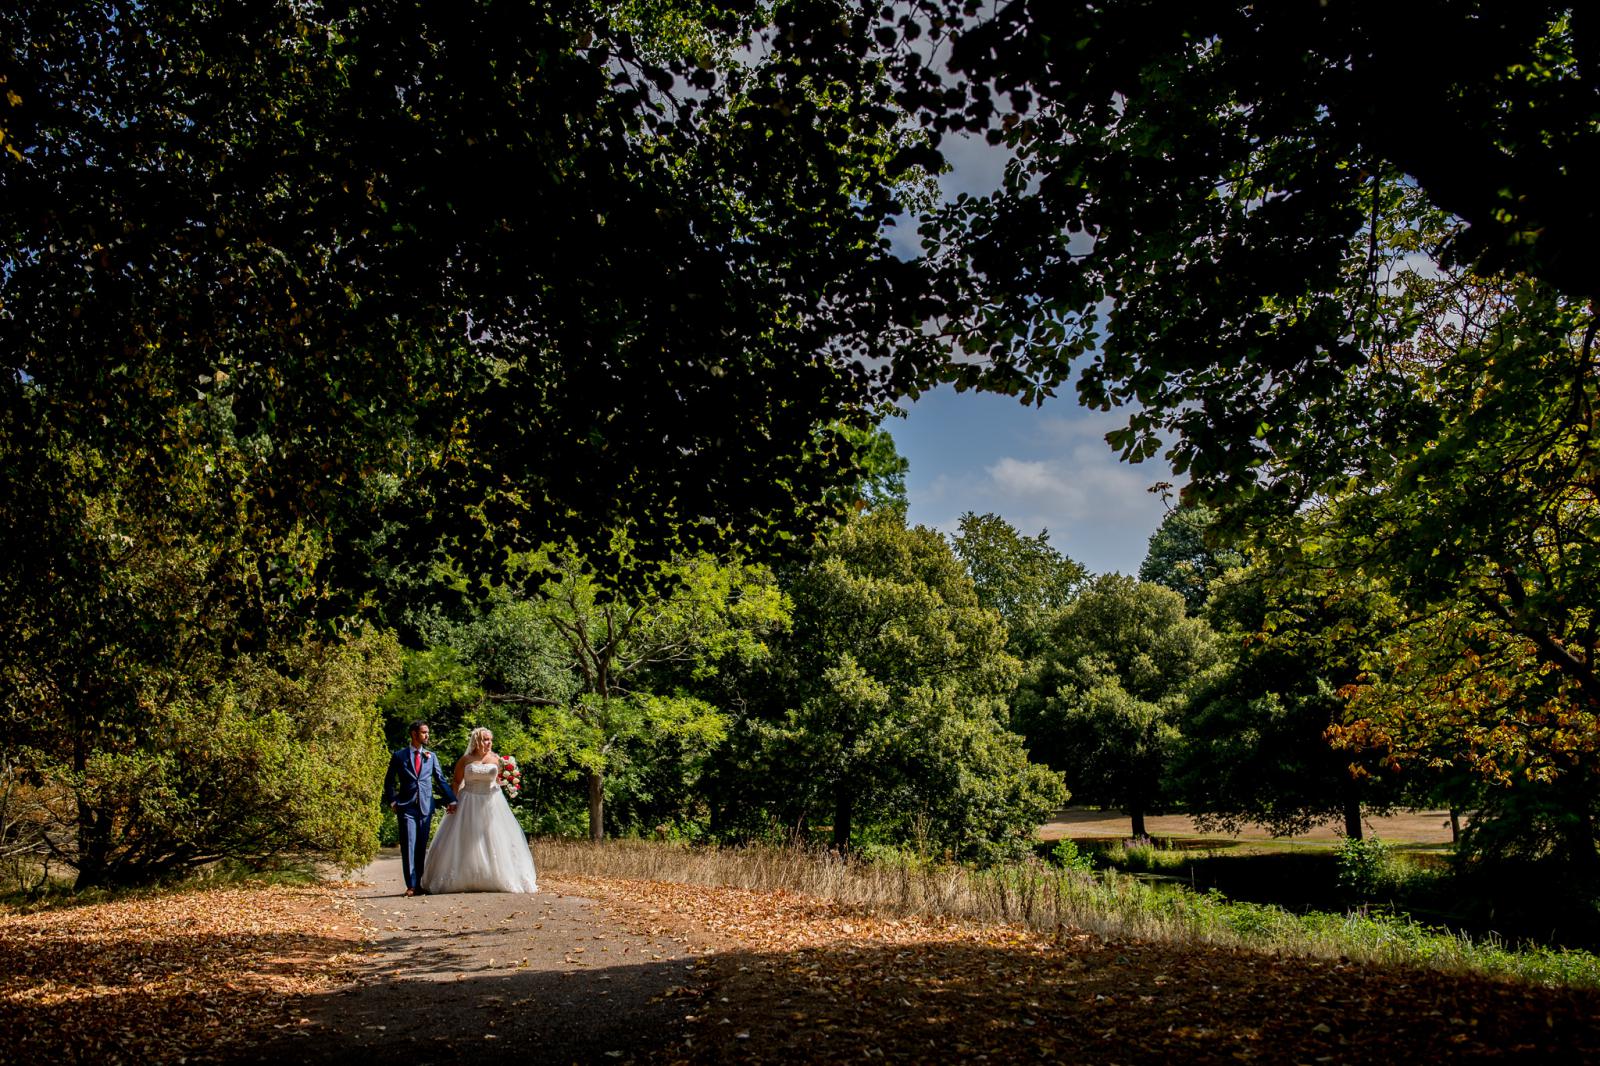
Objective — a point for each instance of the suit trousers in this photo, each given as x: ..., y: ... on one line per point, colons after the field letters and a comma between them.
x: 414, y: 831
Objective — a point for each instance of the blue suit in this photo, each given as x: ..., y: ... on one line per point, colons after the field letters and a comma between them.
x: 410, y: 792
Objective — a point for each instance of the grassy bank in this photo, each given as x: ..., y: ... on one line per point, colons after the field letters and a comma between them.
x: 1047, y: 898
x: 1518, y: 903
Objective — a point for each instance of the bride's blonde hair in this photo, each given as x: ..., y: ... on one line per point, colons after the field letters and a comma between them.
x: 476, y: 735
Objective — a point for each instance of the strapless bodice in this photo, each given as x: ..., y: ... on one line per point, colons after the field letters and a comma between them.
x: 481, y: 777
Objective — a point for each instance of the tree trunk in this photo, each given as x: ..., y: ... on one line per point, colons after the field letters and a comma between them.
x: 1137, y: 813
x: 94, y: 848
x: 1352, y: 815
x: 1455, y: 826
x: 94, y: 830
x: 597, y: 807
x: 844, y: 803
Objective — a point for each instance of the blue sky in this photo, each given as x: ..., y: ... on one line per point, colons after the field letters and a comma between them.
x: 1037, y: 467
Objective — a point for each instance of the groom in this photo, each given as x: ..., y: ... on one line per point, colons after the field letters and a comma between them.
x: 408, y: 790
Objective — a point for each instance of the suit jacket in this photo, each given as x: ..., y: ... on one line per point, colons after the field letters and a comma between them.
x: 409, y: 787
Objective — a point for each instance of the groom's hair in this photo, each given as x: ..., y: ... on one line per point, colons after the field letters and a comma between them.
x: 418, y: 724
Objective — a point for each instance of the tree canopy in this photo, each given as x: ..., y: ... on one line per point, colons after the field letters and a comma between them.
x: 882, y: 712
x: 1344, y: 282
x: 1103, y: 703
x: 514, y: 273
x: 1185, y: 557
x: 299, y: 297
x: 1259, y: 729
x: 312, y: 310
x: 1025, y: 578
x: 1190, y: 215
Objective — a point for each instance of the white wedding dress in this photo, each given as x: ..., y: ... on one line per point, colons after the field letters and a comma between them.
x: 480, y: 847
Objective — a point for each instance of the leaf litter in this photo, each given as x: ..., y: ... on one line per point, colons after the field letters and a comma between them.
x: 177, y: 976
x: 797, y: 978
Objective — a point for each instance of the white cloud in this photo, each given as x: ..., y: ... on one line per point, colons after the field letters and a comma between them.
x: 976, y: 166
x: 1097, y: 509
x: 1087, y: 484
x: 1029, y: 479
x: 1037, y: 467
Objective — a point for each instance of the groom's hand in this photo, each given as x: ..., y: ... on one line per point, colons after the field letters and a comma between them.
x: 451, y: 808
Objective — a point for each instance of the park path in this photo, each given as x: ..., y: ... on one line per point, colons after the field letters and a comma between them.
x: 543, y: 978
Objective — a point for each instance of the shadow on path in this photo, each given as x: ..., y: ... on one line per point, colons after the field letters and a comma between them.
x: 455, y: 978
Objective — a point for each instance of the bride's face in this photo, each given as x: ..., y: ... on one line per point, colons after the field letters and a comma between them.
x: 485, y: 742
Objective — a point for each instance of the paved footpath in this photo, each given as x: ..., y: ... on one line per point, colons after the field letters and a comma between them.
x: 543, y: 978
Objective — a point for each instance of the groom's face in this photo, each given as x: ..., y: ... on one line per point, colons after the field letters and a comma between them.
x: 419, y: 736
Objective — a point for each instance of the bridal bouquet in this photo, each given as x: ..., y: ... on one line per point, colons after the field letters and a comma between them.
x: 510, y: 776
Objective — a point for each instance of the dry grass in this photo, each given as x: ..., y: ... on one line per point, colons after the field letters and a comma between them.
x: 1034, y: 894
x: 1045, y: 898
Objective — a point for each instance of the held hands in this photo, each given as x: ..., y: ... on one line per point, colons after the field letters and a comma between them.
x: 451, y: 809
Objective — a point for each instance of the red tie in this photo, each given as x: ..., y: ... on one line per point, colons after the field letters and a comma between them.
x: 418, y: 757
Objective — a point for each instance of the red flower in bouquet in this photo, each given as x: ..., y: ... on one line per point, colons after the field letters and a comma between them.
x: 510, y: 776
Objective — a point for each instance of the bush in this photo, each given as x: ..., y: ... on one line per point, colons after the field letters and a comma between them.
x: 388, y: 829
x: 285, y: 756
x: 1366, y: 867
x: 560, y: 814
x: 1067, y: 856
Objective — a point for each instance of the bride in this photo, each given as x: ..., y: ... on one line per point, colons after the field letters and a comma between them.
x: 480, y: 847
